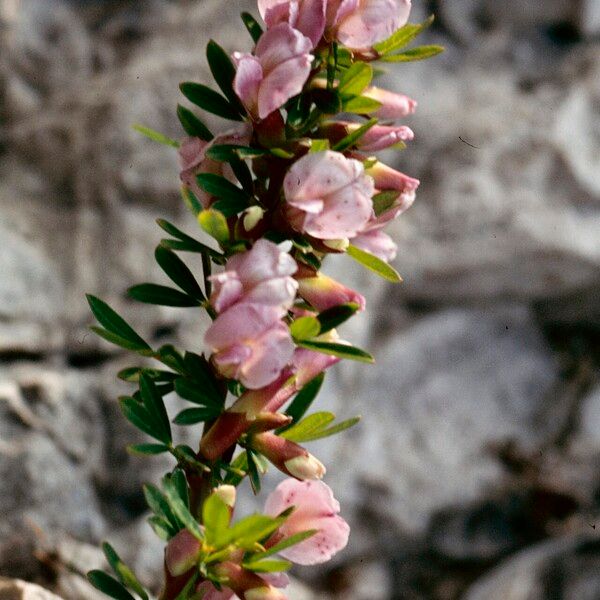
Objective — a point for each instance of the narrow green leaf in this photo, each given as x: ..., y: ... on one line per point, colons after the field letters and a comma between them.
x: 157, y: 502
x: 361, y: 105
x: 232, y: 199
x: 215, y: 224
x: 115, y: 324
x: 335, y: 349
x: 333, y: 317
x: 178, y: 272
x: 181, y: 511
x: 148, y: 449
x: 286, y: 543
x: 401, y: 37
x: 305, y: 328
x: 355, y: 79
x: 171, y: 357
x: 120, y: 341
x: 190, y: 244
x: 418, y: 53
x: 223, y: 71
x: 155, y: 406
x: 215, y: 517
x: 374, y: 263
x: 155, y: 136
x: 304, y: 399
x: 137, y: 414
x: 254, y: 29
x: 108, y: 585
x: 200, y: 371
x: 191, y: 416
x: 352, y: 138
x: 337, y: 428
x: 161, y: 528
x: 123, y: 572
x: 267, y: 566
x: 250, y: 530
x: 151, y: 293
x: 384, y: 201
x: 179, y: 481
x: 192, y: 125
x: 194, y: 392
x: 253, y: 473
x: 319, y: 145
x: 308, y: 426
x: 209, y: 100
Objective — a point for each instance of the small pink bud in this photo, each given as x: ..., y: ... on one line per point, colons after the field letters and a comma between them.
x: 305, y: 467
x: 182, y: 553
x: 323, y: 292
x: 393, y: 106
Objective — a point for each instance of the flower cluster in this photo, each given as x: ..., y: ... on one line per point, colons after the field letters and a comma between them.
x: 293, y: 182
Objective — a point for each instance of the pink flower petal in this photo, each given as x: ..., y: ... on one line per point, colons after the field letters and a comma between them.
x: 248, y: 78
x: 393, y: 106
x: 316, y: 508
x: 378, y: 243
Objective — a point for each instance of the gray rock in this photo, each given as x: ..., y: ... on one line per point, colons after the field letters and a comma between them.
x: 13, y: 589
x: 564, y: 568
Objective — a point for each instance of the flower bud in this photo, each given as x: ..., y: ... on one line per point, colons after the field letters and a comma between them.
x: 393, y: 106
x: 305, y: 467
x: 182, y: 553
x: 227, y: 493
x: 323, y: 292
x: 252, y: 216
x: 264, y: 593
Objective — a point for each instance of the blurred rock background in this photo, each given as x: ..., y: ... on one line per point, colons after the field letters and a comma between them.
x: 484, y: 405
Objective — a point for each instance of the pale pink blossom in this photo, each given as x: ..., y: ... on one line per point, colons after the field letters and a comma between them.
x: 207, y: 591
x: 328, y: 195
x: 308, y: 364
x: 315, y: 508
x: 277, y: 70
x: 361, y: 23
x: 393, y: 106
x: 307, y: 16
x: 261, y: 276
x: 388, y: 179
x: 377, y: 243
x: 250, y: 343
x: 323, y: 292
x: 193, y: 160
x: 378, y: 137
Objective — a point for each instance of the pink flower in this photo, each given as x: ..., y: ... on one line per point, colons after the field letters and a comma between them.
x: 361, y: 23
x: 316, y: 508
x: 193, y: 160
x: 378, y: 243
x: 250, y: 343
x: 377, y: 138
x: 328, y: 195
x: 323, y: 292
x: 260, y: 276
x: 309, y: 364
x: 277, y: 71
x: 393, y: 106
x: 385, y: 179
x: 278, y: 580
x: 307, y: 16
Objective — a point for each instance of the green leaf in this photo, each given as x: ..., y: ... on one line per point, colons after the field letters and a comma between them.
x: 161, y: 528
x: 225, y: 152
x: 337, y: 428
x: 170, y: 356
x: 148, y: 449
x: 232, y: 199
x: 137, y: 414
x: 250, y: 530
x: 180, y: 510
x: 158, y: 504
x: 123, y: 572
x: 374, y: 263
x: 215, y: 224
x: 189, y: 199
x: 155, y: 406
x: 355, y: 79
x: 215, y: 517
x: 209, y: 100
x: 340, y: 350
x: 194, y: 392
x: 319, y: 145
x: 192, y: 125
x: 178, y: 272
x: 418, y: 53
x: 189, y: 244
x: 384, y: 201
x: 191, y: 416
x: 352, y: 138
x: 132, y: 374
x: 361, y: 105
x: 155, y: 136
x: 223, y: 71
x: 108, y: 585
x: 286, y: 543
x: 254, y: 29
x: 178, y: 480
x: 267, y: 566
x: 336, y: 315
x: 152, y: 293
x: 311, y: 424
x: 116, y: 325
x: 401, y: 37
x: 305, y: 328
x: 253, y: 472
x: 304, y: 399
x: 120, y: 341
x: 201, y: 372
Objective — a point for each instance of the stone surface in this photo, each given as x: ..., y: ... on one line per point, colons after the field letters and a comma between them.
x: 13, y: 589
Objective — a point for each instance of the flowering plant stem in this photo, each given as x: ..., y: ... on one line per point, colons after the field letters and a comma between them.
x: 292, y: 183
